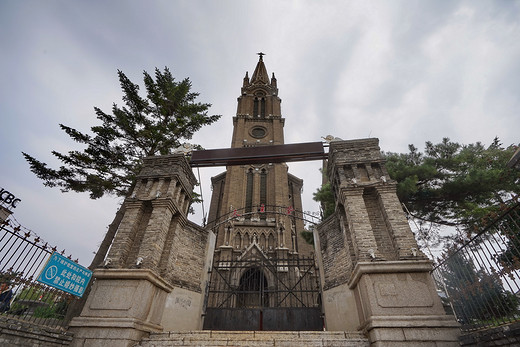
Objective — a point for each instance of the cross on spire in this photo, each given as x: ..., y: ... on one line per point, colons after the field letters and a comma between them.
x: 261, y: 56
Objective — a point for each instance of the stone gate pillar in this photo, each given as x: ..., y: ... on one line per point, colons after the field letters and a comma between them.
x: 374, y: 277
x: 153, y: 276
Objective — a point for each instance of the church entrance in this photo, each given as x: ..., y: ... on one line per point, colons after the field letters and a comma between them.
x: 264, y: 294
x: 252, y: 290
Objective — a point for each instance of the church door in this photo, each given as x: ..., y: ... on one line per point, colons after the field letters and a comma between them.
x: 252, y: 291
x: 254, y: 294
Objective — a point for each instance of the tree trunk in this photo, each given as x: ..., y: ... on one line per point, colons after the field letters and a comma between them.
x: 76, y: 307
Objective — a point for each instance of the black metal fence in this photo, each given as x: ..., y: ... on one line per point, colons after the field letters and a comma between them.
x: 479, y: 281
x: 277, y: 282
x: 22, y: 256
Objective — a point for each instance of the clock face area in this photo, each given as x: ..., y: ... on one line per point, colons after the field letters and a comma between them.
x: 258, y: 132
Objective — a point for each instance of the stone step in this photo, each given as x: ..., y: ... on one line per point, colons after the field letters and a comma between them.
x: 210, y: 338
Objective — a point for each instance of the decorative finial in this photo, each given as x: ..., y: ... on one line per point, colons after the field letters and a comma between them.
x: 261, y: 56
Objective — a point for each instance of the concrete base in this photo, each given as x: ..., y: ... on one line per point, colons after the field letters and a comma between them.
x: 182, y: 311
x: 399, y: 305
x: 412, y: 331
x: 340, y: 308
x: 124, y: 306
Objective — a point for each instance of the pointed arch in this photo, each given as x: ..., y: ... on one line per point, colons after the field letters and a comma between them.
x: 255, y: 107
x: 252, y: 289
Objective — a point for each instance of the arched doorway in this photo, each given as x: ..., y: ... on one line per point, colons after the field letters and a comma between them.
x: 252, y: 289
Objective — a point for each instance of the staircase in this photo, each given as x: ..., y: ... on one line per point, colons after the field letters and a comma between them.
x: 212, y: 338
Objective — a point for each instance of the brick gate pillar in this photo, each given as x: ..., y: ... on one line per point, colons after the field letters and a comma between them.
x: 384, y: 287
x: 152, y: 278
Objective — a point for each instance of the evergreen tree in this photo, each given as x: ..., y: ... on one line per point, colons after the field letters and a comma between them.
x: 325, y: 197
x: 155, y: 124
x: 144, y: 126
x: 475, y: 295
x: 462, y: 186
x: 449, y: 184
x: 452, y: 184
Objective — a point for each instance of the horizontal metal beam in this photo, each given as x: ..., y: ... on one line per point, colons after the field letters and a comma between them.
x: 258, y: 154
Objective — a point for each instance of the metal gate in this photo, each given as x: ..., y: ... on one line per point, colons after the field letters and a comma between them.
x: 264, y: 294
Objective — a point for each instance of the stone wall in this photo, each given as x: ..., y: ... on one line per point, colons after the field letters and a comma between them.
x: 337, y: 265
x: 189, y: 245
x: 368, y: 244
x: 506, y: 335
x: 156, y: 262
x: 17, y: 333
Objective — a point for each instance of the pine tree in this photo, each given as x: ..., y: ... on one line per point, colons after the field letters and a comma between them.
x: 476, y: 296
x: 452, y: 184
x: 449, y: 184
x: 144, y: 126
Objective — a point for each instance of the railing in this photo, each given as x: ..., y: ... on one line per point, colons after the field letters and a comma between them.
x: 479, y: 281
x: 22, y: 256
x: 262, y: 212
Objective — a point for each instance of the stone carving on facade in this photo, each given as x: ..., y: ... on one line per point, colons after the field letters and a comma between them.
x: 330, y: 138
x: 185, y: 149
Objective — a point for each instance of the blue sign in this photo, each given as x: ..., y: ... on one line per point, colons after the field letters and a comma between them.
x: 62, y: 273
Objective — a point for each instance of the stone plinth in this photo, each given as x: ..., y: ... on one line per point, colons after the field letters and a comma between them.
x: 399, y: 305
x: 124, y: 306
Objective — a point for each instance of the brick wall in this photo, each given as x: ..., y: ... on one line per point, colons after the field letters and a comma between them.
x: 385, y: 244
x: 365, y: 192
x: 188, y: 248
x: 335, y: 252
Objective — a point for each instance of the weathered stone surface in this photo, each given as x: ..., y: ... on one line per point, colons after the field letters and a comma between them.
x: 182, y: 311
x: 124, y: 305
x: 335, y: 250
x: 506, y: 335
x: 368, y: 244
x: 365, y: 193
x: 340, y: 306
x: 19, y: 333
x: 396, y: 288
x: 257, y: 338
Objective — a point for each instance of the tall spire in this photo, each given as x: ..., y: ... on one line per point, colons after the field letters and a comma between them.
x: 260, y: 74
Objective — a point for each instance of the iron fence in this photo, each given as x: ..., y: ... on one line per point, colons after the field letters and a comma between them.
x: 22, y: 256
x: 479, y: 281
x: 276, y: 282
x: 263, y: 293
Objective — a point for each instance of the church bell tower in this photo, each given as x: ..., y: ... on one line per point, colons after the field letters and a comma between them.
x: 262, y: 265
x: 256, y: 205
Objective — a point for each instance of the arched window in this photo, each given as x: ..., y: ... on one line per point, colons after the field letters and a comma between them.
x: 252, y: 289
x: 255, y: 108
x: 262, y: 241
x: 249, y: 193
x: 246, y: 240
x: 263, y: 190
x: 238, y: 241
x: 262, y: 107
x: 270, y: 241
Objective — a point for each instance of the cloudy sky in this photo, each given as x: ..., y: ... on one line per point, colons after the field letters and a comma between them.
x: 402, y: 71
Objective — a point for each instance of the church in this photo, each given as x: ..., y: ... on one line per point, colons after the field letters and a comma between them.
x: 249, y: 276
x: 262, y: 263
